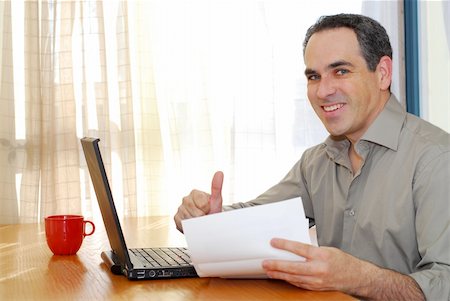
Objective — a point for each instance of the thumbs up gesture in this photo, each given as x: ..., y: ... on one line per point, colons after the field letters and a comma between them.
x: 215, y: 199
x: 199, y: 203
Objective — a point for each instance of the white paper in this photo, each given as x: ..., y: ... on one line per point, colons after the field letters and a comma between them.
x: 234, y: 243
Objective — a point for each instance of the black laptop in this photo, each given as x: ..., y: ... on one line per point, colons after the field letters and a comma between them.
x: 139, y: 263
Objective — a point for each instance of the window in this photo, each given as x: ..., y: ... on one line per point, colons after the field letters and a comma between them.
x: 175, y: 90
x: 434, y: 62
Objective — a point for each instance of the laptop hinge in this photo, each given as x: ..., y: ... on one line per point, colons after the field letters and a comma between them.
x: 112, y: 261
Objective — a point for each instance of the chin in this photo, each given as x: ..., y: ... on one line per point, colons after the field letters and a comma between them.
x: 333, y: 131
x: 336, y: 133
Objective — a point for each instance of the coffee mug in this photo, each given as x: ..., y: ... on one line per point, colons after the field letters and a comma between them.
x: 65, y: 233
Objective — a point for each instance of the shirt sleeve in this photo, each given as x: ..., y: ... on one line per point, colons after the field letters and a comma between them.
x: 431, y: 190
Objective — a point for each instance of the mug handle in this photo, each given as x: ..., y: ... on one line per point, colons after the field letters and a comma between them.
x: 93, y: 228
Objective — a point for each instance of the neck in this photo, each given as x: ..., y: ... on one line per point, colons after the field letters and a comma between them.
x: 355, y: 158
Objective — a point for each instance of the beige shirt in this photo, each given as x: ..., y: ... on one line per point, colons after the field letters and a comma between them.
x: 395, y: 212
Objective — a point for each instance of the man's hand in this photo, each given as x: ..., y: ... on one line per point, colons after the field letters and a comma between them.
x: 323, y: 269
x: 199, y: 203
x: 327, y: 268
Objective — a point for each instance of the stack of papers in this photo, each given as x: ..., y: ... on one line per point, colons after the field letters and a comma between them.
x: 234, y: 243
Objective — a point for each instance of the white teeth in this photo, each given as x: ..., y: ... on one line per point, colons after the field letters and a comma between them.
x: 333, y: 107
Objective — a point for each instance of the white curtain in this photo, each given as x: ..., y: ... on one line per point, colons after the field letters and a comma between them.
x: 174, y: 89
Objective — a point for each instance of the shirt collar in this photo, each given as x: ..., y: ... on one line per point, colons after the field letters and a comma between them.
x: 385, y: 130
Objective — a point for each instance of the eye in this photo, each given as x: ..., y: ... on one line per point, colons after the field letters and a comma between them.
x: 312, y: 77
x: 342, y: 71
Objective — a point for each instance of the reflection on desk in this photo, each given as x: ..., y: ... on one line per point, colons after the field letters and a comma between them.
x: 29, y: 271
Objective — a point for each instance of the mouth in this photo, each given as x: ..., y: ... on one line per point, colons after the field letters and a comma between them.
x: 332, y: 108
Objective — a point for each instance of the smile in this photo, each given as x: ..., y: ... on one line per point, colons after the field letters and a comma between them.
x: 333, y: 107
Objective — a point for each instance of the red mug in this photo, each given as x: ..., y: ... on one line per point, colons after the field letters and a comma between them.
x: 65, y: 233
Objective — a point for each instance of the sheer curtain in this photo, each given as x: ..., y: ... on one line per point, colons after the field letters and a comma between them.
x: 59, y: 83
x: 174, y: 89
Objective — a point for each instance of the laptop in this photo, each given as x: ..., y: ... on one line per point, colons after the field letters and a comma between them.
x: 137, y: 263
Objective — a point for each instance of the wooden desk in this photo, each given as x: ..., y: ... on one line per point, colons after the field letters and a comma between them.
x: 29, y: 271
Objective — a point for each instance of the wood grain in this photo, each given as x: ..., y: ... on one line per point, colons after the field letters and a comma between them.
x: 29, y: 271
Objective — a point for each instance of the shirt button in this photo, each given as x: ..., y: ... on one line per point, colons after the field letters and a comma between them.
x: 351, y: 212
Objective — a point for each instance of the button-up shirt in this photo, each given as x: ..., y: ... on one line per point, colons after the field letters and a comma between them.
x: 393, y: 212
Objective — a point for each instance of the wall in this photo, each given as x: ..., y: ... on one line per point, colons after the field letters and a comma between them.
x: 434, y: 40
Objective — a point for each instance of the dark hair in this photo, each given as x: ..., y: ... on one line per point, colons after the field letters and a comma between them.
x: 372, y: 37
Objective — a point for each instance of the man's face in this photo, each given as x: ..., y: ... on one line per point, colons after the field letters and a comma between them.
x: 344, y: 93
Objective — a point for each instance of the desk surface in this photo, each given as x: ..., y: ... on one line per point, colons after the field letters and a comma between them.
x: 29, y: 271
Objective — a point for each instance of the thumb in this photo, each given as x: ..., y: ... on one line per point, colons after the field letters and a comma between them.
x: 215, y: 200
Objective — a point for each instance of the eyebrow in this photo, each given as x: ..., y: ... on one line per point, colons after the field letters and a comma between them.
x: 309, y: 71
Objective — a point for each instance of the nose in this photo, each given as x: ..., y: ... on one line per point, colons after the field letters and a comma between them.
x: 326, y: 87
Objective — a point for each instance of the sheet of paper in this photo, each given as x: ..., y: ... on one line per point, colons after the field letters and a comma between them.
x: 233, y: 244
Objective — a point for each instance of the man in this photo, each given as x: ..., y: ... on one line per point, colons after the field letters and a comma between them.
x: 377, y: 189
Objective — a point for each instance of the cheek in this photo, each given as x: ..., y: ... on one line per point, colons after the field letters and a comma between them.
x: 313, y: 102
x: 311, y: 93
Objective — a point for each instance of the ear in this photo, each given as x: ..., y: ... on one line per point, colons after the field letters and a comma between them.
x: 384, y: 70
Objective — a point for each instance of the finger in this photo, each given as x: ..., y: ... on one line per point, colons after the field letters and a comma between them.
x: 288, y: 267
x: 197, y: 200
x: 306, y: 282
x: 182, y: 214
x: 195, y: 204
x: 301, y: 249
x: 189, y: 208
x: 178, y: 223
x: 215, y: 200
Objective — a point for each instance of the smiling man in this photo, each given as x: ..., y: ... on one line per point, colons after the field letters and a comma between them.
x: 344, y: 92
x: 377, y: 189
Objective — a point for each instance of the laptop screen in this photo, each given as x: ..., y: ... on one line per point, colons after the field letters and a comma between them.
x: 105, y: 200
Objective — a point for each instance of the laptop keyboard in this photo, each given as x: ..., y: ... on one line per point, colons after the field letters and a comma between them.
x: 157, y: 257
